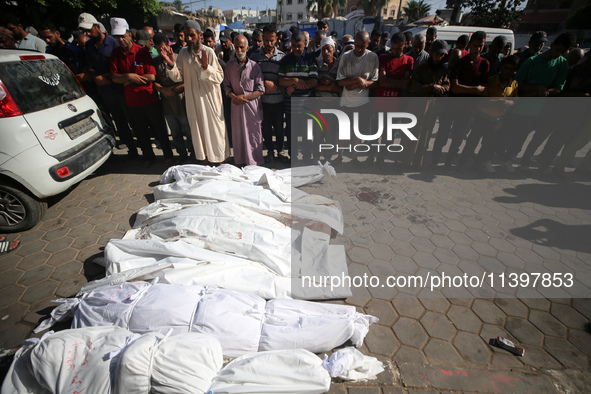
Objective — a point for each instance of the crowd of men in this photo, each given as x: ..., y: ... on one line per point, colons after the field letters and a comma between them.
x: 237, y: 94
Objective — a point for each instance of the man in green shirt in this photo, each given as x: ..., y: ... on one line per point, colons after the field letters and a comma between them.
x: 544, y: 75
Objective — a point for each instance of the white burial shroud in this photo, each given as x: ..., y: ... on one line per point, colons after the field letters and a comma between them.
x: 243, y: 323
x: 102, y: 360
x: 257, y: 236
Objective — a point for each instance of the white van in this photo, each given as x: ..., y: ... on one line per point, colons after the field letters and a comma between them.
x: 52, y: 135
x: 451, y: 33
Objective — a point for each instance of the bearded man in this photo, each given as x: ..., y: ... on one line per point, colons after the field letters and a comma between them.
x: 198, y: 67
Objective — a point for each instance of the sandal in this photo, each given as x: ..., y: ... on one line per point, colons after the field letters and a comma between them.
x: 8, y: 246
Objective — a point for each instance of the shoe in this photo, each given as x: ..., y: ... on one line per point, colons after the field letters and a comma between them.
x: 147, y: 163
x: 508, y: 166
x: 487, y: 168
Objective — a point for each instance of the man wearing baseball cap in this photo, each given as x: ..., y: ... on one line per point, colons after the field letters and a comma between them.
x: 131, y: 66
x: 98, y: 51
x: 535, y: 46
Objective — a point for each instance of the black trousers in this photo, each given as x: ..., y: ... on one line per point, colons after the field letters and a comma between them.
x: 273, y: 125
x: 147, y: 119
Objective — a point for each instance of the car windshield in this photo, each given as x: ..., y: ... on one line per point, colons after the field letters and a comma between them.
x: 39, y: 84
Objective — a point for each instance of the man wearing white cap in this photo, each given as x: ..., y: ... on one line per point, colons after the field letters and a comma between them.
x: 98, y: 51
x: 198, y: 67
x: 131, y: 66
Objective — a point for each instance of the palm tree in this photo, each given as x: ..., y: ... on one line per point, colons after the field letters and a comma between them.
x: 416, y: 10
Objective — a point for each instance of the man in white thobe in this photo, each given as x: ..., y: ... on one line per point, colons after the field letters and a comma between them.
x: 198, y: 67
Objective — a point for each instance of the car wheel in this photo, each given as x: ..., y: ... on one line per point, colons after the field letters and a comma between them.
x: 19, y: 211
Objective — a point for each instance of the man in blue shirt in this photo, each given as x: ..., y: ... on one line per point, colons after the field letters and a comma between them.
x: 268, y: 58
x: 298, y: 74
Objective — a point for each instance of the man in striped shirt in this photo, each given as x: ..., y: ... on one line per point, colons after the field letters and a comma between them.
x: 268, y: 58
x: 298, y: 74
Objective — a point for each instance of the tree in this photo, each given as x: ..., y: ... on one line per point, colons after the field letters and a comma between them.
x: 372, y: 7
x: 178, y: 5
x: 416, y: 10
x: 580, y: 19
x: 326, y: 8
x: 500, y: 13
x: 65, y: 12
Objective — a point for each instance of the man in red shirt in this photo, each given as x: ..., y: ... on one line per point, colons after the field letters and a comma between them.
x: 131, y: 65
x: 395, y: 69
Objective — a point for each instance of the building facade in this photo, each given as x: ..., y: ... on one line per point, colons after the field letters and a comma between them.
x: 239, y: 14
x: 548, y: 15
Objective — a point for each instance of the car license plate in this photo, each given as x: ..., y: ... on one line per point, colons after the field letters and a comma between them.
x: 77, y: 129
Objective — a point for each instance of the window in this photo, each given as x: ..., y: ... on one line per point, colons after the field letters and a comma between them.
x: 300, y: 16
x: 289, y: 2
x: 393, y: 12
x: 385, y: 11
x: 288, y: 17
x: 300, y: 1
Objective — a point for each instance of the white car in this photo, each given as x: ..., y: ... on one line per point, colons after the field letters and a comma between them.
x: 52, y: 135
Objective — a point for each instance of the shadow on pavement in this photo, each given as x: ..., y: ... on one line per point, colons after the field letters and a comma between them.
x: 550, y: 233
x: 573, y: 195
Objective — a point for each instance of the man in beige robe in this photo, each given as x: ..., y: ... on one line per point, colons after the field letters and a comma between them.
x: 198, y: 67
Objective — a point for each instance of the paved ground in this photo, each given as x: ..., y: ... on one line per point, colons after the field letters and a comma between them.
x: 396, y: 224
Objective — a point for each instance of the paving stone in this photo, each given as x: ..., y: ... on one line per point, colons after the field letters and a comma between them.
x: 438, y: 326
x: 12, y: 314
x: 425, y: 260
x: 583, y: 305
x: 408, y: 306
x: 404, y: 265
x: 364, y: 390
x: 359, y: 255
x: 524, y: 331
x: 538, y: 358
x: 55, y: 234
x: 441, y: 353
x: 381, y: 340
x: 383, y: 310
x: 409, y: 332
x: 39, y: 291
x: 547, y: 323
x: 464, y: 319
x: 380, y: 251
x: 66, y: 271
x: 10, y: 277
x: 39, y: 311
x: 62, y: 257
x: 465, y: 252
x: 394, y: 390
x: 10, y: 294
x: 84, y: 241
x: 512, y: 306
x: 539, y: 303
x: 58, y: 244
x: 362, y: 240
x: 35, y: 275
x: 402, y: 248
x: 13, y: 337
x: 505, y: 361
x: 337, y: 389
x: 446, y: 256
x: 566, y: 353
x: 581, y: 340
x: 471, y: 348
x: 33, y: 261
x: 435, y: 302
